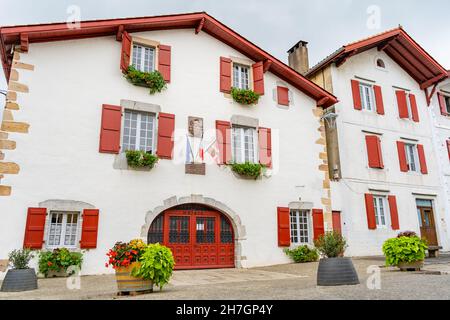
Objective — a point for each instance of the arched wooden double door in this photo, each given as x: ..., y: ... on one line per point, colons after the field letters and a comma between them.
x: 199, y: 237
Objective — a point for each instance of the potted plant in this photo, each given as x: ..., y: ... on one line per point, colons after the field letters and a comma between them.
x: 156, y: 265
x: 21, y: 277
x: 244, y: 96
x: 249, y: 170
x: 407, y: 251
x: 140, y: 159
x: 153, y: 80
x: 57, y: 262
x: 302, y: 254
x: 334, y: 269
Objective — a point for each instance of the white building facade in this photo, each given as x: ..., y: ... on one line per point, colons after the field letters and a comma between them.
x: 71, y: 115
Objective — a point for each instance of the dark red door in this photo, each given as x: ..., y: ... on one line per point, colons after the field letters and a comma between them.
x: 199, y: 239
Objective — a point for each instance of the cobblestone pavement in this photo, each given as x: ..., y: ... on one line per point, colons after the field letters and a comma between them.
x: 292, y: 281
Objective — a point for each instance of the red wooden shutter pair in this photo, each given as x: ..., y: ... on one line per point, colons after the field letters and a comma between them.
x: 35, y: 225
x: 402, y: 158
x: 164, y: 57
x: 225, y: 76
x: 318, y: 226
x: 374, y: 152
x: 283, y: 96
x: 223, y: 137
x: 265, y: 146
x: 111, y: 127
x: 370, y: 211
x: 403, y: 105
x: 357, y: 102
x: 442, y: 104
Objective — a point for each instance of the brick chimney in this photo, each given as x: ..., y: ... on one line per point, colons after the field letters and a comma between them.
x: 298, y: 57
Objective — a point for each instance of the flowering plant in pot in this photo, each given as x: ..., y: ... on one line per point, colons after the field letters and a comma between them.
x: 58, y: 263
x: 406, y: 251
x: 334, y: 268
x: 244, y: 96
x: 21, y: 277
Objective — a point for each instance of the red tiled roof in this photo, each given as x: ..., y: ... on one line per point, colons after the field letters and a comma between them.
x: 11, y: 35
x: 398, y: 45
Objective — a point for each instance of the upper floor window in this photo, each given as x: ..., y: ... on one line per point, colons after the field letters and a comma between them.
x: 381, y: 64
x: 139, y: 131
x: 143, y: 58
x: 63, y: 229
x: 412, y: 158
x: 381, y: 213
x: 244, y: 143
x: 367, y: 97
x: 300, y: 226
x: 241, y: 76
x: 447, y: 103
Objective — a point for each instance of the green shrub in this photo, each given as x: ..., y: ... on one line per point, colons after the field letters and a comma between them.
x: 331, y: 244
x: 156, y: 264
x: 140, y: 159
x: 404, y: 249
x: 244, y: 96
x: 59, y: 260
x: 153, y: 80
x: 303, y: 254
x: 20, y: 258
x: 253, y: 170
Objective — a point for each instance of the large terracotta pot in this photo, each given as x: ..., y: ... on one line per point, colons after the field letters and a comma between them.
x: 127, y: 283
x: 411, y: 266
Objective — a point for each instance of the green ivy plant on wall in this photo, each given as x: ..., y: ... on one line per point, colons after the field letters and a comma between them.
x: 153, y: 80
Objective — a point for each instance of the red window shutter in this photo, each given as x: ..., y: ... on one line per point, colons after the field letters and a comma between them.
x: 402, y: 156
x: 258, y: 77
x: 164, y: 61
x: 89, y: 229
x: 126, y: 51
x: 34, y: 228
x: 223, y: 137
x: 402, y: 104
x: 283, y: 96
x: 448, y: 148
x: 370, y: 210
x: 442, y: 105
x: 379, y: 99
x: 317, y: 215
x: 423, y: 162
x: 110, y: 129
x: 414, y: 110
x: 394, y: 212
x: 166, y: 127
x: 284, y: 230
x: 225, y: 75
x: 374, y: 152
x: 356, y: 95
x: 337, y: 222
x: 265, y: 146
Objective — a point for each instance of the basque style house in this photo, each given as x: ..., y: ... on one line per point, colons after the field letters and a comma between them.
x: 385, y: 139
x: 74, y: 113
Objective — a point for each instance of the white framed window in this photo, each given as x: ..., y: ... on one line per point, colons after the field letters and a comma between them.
x: 244, y: 145
x: 63, y: 229
x: 139, y: 131
x: 300, y: 226
x: 412, y: 157
x: 241, y: 76
x: 143, y: 58
x: 381, y: 211
x: 367, y: 97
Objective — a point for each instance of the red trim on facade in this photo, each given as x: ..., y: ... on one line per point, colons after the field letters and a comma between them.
x: 284, y: 229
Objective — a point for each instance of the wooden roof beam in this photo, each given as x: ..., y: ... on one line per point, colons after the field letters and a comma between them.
x: 432, y: 81
x: 266, y: 65
x: 24, y: 44
x: 200, y: 26
x: 120, y: 31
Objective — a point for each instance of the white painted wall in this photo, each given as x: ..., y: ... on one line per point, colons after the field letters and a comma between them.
x: 358, y: 178
x: 59, y: 158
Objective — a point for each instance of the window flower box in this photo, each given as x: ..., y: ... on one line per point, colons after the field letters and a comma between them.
x: 153, y: 80
x: 244, y: 96
x: 248, y: 170
x: 140, y: 159
x: 58, y: 263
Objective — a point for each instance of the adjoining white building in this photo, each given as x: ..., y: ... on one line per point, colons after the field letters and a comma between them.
x: 381, y: 149
x: 70, y: 115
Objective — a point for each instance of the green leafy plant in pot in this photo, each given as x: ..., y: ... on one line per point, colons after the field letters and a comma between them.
x: 334, y: 269
x: 302, y: 254
x: 21, y: 277
x: 407, y: 251
x: 58, y: 263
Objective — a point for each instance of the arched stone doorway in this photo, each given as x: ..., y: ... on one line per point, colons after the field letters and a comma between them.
x: 201, y: 232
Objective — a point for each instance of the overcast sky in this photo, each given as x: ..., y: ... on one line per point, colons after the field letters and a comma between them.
x: 273, y: 25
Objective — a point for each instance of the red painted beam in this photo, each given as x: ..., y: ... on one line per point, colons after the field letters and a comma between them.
x: 120, y: 31
x: 322, y: 101
x: 413, y: 59
x: 415, y: 73
x: 24, y: 42
x: 432, y: 81
x: 200, y: 26
x: 266, y: 65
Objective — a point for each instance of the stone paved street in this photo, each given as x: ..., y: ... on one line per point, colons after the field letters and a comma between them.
x: 293, y: 281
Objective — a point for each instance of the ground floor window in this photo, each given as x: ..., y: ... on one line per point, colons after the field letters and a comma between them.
x: 63, y: 229
x: 381, y: 211
x: 300, y: 226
